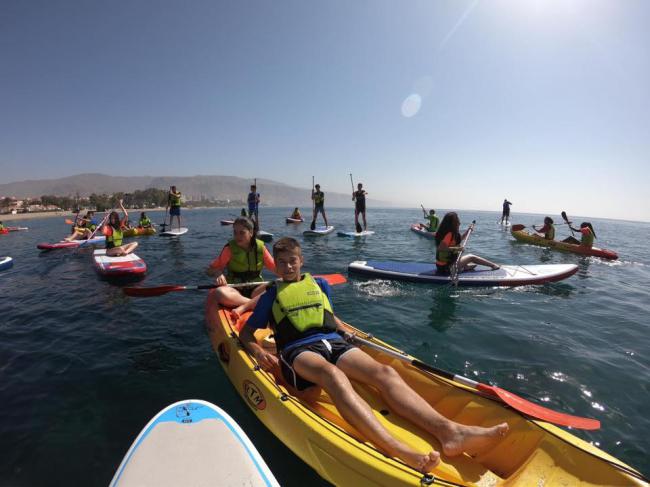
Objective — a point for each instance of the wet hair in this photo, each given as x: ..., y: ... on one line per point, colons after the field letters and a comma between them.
x: 588, y: 224
x: 245, y: 222
x: 317, y: 186
x: 114, y: 219
x: 432, y: 211
x: 253, y: 186
x: 548, y: 220
x: 359, y: 185
x: 450, y: 223
x: 285, y: 244
x: 143, y: 214
x: 173, y: 188
x: 295, y: 209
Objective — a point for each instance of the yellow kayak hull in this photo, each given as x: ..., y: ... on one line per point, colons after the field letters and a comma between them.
x: 137, y: 232
x: 533, y: 453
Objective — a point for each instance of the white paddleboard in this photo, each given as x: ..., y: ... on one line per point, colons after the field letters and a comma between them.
x: 319, y: 230
x: 355, y: 234
x: 175, y: 232
x: 192, y: 443
x: 6, y: 263
x: 506, y: 275
x: 118, y: 266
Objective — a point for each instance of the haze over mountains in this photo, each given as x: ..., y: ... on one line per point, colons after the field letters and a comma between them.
x: 195, y: 188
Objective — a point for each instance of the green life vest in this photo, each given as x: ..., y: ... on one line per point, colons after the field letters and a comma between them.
x: 433, y: 222
x: 301, y: 309
x: 245, y: 265
x: 587, y: 238
x: 144, y: 222
x: 550, y: 235
x: 115, y: 239
x: 319, y: 197
x: 175, y: 199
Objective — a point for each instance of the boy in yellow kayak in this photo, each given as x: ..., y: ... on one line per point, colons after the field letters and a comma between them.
x: 312, y: 355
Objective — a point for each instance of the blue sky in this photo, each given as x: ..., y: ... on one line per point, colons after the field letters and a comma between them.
x: 453, y: 104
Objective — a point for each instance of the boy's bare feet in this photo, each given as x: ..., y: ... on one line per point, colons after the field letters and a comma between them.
x: 471, y: 439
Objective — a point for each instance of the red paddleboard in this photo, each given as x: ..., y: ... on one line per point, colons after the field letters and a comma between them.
x: 123, y: 266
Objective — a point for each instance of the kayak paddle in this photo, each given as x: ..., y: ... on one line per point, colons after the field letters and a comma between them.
x: 358, y: 227
x: 454, y: 268
x: 493, y: 392
x: 146, y: 292
x: 566, y: 219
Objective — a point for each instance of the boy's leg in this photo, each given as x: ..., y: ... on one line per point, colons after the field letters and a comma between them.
x: 365, y: 225
x: 355, y: 410
x: 324, y: 216
x: 251, y: 303
x: 455, y: 438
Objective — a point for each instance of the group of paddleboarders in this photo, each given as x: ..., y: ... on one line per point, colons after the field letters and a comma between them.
x: 316, y: 350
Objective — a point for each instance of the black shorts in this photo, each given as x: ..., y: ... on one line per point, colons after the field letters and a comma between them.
x: 319, y: 209
x: 332, y: 350
x: 174, y: 211
x: 360, y: 208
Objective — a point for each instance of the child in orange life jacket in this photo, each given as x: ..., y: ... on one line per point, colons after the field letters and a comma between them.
x: 548, y: 229
x: 113, y: 230
x: 313, y: 355
x: 243, y: 257
x: 588, y: 235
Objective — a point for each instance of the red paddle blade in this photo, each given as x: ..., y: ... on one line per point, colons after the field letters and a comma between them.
x: 540, y: 412
x: 517, y: 227
x: 145, y: 292
x: 69, y: 222
x: 333, y: 279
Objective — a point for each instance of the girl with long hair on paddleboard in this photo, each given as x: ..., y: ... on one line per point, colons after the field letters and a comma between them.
x: 113, y: 230
x: 448, y: 241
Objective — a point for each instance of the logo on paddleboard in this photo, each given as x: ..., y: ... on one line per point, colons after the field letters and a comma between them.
x: 254, y: 395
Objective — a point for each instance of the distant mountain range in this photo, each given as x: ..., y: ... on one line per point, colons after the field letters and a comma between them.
x: 195, y: 188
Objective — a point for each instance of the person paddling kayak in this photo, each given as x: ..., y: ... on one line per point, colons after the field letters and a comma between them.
x: 319, y: 204
x: 243, y: 258
x: 433, y: 220
x: 548, y: 230
x: 144, y: 221
x: 84, y: 229
x: 448, y: 240
x: 313, y: 356
x: 588, y: 235
x: 359, y: 198
x: 505, y: 214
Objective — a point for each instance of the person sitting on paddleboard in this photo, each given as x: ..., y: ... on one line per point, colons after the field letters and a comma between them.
x: 359, y: 198
x: 144, y: 221
x: 113, y: 230
x: 448, y: 241
x: 243, y: 257
x: 243, y: 213
x: 84, y: 229
x: 319, y: 204
x: 505, y: 215
x: 314, y: 355
x: 432, y: 226
x: 296, y: 214
x: 548, y: 229
x: 174, y: 199
x: 588, y: 235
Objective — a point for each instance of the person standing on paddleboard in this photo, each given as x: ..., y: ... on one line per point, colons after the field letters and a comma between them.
x: 505, y: 214
x: 448, y: 240
x: 314, y: 355
x: 319, y: 204
x: 253, y: 205
x: 359, y: 198
x: 174, y: 206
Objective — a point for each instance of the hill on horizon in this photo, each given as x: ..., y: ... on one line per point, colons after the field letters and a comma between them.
x: 195, y: 188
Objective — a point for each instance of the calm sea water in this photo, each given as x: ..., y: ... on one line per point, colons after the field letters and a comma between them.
x: 83, y: 368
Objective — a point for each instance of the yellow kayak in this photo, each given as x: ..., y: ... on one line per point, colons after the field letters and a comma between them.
x: 533, y: 453
x: 137, y: 231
